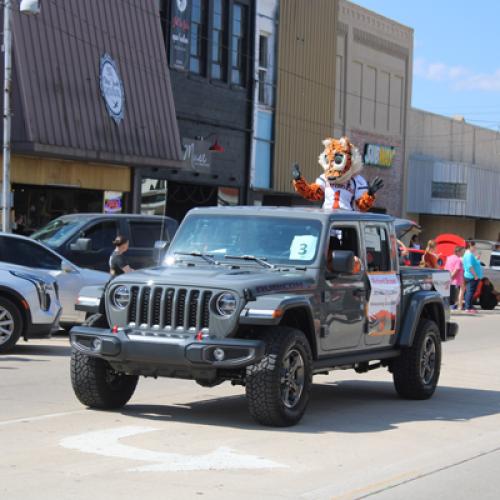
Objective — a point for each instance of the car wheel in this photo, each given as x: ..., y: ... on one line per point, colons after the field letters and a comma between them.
x: 97, y: 385
x: 416, y: 370
x: 278, y: 387
x: 11, y: 325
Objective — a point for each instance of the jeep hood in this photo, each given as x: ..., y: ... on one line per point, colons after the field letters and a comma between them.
x: 259, y: 281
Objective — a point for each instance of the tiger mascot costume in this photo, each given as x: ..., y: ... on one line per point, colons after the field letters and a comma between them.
x: 340, y: 186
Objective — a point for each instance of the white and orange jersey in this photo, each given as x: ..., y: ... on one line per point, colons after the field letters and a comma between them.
x: 342, y: 196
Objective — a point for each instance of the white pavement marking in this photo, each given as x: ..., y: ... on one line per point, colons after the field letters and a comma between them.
x: 106, y: 443
x: 40, y: 417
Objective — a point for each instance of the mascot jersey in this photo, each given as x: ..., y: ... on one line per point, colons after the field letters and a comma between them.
x: 340, y: 186
x: 342, y: 196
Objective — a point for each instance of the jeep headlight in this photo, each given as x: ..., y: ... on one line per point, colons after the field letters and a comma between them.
x: 43, y: 288
x: 226, y: 304
x: 120, y: 297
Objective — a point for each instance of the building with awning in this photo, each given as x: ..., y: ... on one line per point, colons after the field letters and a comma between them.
x: 92, y: 106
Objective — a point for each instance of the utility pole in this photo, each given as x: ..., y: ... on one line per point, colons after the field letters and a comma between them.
x: 30, y: 7
x: 7, y: 48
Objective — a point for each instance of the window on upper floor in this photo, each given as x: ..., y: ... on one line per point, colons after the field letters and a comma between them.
x: 239, y: 44
x: 218, y: 66
x: 197, y: 56
x: 264, y: 87
x: 449, y: 190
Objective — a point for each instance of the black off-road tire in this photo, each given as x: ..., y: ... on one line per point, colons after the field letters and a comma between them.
x: 16, y: 327
x: 97, y: 385
x: 264, y: 380
x: 409, y: 381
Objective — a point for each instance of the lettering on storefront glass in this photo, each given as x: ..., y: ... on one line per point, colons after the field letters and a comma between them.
x: 179, y: 38
x: 379, y: 156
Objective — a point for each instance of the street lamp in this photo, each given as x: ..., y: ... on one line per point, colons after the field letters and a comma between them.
x: 26, y: 7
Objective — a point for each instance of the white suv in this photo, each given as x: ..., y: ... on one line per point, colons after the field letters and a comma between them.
x: 29, y: 305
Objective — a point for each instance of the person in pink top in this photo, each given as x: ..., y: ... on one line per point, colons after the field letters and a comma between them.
x: 456, y: 268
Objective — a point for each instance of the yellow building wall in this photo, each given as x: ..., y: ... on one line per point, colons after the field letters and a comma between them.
x: 305, y: 87
x: 49, y: 172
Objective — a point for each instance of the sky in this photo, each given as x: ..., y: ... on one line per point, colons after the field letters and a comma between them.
x: 456, y: 55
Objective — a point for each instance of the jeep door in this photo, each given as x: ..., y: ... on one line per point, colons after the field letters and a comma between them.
x: 380, y: 255
x: 344, y: 295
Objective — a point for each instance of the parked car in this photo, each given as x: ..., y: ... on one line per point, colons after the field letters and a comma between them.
x: 20, y: 250
x: 266, y: 297
x: 29, y: 305
x: 86, y: 239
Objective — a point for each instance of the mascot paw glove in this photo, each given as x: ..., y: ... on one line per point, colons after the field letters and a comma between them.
x: 296, y: 172
x: 375, y: 185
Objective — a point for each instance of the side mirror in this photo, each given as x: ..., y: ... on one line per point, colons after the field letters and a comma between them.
x: 81, y: 245
x: 342, y: 263
x: 159, y: 250
x: 66, y: 267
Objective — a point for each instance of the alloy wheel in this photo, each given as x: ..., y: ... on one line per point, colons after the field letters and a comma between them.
x: 292, y: 378
x: 7, y: 325
x: 428, y: 360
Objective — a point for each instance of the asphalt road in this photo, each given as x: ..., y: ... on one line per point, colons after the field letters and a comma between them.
x: 177, y: 440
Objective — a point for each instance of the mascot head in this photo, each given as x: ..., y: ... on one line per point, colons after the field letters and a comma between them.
x: 340, y: 160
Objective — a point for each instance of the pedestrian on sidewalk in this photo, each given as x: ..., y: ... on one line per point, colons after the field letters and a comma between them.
x: 472, y: 274
x: 118, y: 262
x: 456, y: 268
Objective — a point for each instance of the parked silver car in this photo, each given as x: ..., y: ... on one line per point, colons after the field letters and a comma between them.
x: 29, y: 305
x: 19, y: 250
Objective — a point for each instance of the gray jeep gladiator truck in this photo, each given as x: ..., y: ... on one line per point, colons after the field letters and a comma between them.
x: 266, y: 298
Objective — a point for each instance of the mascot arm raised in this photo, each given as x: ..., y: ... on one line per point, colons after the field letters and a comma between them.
x: 365, y: 195
x: 311, y: 192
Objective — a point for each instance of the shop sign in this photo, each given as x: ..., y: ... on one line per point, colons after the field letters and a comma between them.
x: 197, y: 153
x: 179, y: 38
x: 112, y: 88
x: 379, y: 156
x: 113, y: 202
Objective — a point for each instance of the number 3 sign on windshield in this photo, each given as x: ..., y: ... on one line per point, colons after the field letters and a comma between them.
x: 303, y: 247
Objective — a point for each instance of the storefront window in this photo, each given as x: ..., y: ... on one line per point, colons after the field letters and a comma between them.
x: 38, y: 205
x: 153, y: 196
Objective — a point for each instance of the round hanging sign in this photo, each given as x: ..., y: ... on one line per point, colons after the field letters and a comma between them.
x: 112, y: 88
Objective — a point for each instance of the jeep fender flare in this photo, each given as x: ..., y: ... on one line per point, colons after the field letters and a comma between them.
x: 91, y: 299
x: 270, y: 309
x: 424, y: 300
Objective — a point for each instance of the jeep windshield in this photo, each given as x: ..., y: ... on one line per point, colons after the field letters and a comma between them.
x: 275, y: 240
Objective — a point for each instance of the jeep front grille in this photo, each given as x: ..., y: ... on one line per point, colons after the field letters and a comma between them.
x: 167, y: 307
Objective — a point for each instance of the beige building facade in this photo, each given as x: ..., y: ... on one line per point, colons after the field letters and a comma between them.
x: 373, y: 95
x: 305, y: 89
x: 453, y: 178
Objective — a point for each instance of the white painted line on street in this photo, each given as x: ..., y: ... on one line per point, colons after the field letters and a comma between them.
x: 39, y: 417
x: 106, y: 443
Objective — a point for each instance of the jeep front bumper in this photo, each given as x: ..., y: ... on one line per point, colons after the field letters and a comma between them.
x: 133, y: 351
